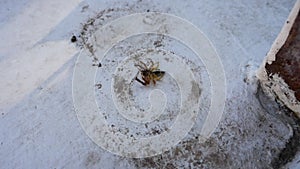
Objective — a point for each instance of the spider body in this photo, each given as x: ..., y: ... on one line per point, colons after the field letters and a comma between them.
x: 149, y: 73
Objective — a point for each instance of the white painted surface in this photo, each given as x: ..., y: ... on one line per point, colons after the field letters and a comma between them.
x: 39, y: 128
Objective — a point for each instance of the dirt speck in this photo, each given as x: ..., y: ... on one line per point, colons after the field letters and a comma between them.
x: 157, y: 44
x: 99, y: 86
x: 84, y: 8
x: 97, y: 64
x: 73, y: 39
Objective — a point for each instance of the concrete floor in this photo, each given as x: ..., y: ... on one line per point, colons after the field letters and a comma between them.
x: 39, y: 124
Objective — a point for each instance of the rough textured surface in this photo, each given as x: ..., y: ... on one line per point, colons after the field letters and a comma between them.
x: 280, y: 81
x: 287, y: 63
x: 38, y: 122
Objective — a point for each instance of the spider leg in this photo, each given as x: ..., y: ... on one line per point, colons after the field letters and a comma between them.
x: 144, y: 65
x: 143, y: 83
x: 155, y: 66
x: 146, y: 80
x: 151, y: 62
x: 159, y: 78
x: 154, y: 82
x: 140, y: 67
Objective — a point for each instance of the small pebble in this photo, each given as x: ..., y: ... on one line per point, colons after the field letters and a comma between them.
x: 73, y: 39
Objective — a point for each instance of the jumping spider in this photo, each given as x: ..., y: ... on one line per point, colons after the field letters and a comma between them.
x: 149, y: 73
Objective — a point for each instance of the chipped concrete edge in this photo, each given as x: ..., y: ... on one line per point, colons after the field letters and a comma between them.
x: 276, y: 87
